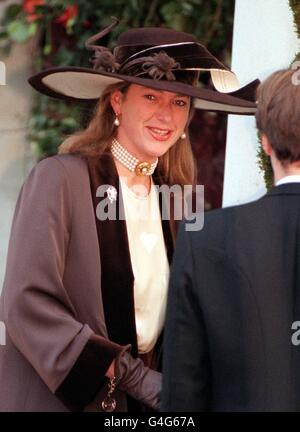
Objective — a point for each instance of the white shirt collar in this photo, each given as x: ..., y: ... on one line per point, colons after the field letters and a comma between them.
x: 289, y: 179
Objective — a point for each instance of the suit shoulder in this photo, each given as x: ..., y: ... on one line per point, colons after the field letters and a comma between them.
x: 235, y: 210
x: 219, y: 223
x: 71, y: 162
x: 60, y: 166
x: 57, y: 173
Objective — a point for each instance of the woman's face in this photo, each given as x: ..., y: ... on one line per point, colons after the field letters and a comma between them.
x: 151, y: 121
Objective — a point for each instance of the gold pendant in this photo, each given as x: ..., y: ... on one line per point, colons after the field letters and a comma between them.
x: 142, y: 168
x: 109, y: 404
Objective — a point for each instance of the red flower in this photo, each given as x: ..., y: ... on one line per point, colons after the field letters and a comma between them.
x: 70, y: 12
x: 33, y: 17
x: 30, y: 5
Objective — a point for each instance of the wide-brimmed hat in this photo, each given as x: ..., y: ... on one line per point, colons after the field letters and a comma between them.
x: 159, y: 58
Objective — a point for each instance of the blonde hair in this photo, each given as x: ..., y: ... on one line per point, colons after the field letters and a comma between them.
x: 176, y: 166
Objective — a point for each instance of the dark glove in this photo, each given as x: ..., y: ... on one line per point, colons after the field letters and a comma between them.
x: 137, y: 380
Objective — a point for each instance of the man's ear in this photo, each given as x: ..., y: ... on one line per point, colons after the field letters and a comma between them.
x: 266, y: 145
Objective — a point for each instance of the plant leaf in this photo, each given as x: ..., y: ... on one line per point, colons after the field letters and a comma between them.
x: 18, y: 31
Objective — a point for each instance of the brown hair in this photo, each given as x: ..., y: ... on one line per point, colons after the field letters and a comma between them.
x: 278, y: 114
x: 177, y: 166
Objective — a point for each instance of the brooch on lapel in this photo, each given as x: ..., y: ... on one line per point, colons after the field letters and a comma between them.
x: 112, y: 194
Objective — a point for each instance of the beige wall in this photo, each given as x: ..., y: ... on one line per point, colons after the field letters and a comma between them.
x: 15, y: 155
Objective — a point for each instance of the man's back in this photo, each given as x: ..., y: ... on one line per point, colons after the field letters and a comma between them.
x: 232, y: 302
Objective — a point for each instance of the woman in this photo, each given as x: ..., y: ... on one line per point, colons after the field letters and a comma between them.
x: 85, y: 292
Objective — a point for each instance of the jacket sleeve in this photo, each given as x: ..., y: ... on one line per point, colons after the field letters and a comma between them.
x: 185, y: 360
x: 39, y: 316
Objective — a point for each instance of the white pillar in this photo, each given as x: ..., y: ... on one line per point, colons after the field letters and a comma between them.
x: 15, y: 155
x: 264, y: 40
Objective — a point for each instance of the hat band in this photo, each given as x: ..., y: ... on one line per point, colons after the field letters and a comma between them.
x: 157, y: 66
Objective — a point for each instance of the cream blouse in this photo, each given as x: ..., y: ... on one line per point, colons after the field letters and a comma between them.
x: 149, y: 264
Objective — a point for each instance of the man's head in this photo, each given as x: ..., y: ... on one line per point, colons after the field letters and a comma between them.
x: 278, y: 116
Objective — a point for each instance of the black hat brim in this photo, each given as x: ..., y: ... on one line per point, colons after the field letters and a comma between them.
x: 83, y: 84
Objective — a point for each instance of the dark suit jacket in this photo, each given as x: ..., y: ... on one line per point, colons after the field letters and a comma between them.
x: 234, y: 294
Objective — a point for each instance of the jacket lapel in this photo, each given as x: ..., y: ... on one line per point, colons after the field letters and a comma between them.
x: 116, y: 271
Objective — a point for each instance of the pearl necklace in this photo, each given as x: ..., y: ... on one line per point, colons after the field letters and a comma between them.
x: 130, y: 162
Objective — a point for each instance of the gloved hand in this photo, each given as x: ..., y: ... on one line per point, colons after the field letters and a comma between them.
x: 137, y: 380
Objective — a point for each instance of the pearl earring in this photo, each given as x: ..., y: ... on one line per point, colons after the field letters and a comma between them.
x: 183, y: 135
x: 117, y: 121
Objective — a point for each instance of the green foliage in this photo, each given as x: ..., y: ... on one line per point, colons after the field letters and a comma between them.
x: 60, y: 28
x: 18, y: 31
x: 50, y: 122
x: 295, y: 6
x: 265, y: 166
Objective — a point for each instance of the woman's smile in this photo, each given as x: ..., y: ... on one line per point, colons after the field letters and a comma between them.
x: 159, y: 134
